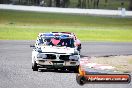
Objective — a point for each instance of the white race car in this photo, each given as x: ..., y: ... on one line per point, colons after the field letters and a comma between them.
x: 56, y: 50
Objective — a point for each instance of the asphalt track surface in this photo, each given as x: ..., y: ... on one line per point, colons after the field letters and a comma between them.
x: 16, y: 72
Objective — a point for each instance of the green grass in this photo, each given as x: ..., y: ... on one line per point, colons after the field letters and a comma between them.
x: 20, y: 25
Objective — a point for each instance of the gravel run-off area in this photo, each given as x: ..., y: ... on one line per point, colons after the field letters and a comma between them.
x: 120, y: 63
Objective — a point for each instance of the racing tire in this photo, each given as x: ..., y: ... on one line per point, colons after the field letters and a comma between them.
x: 34, y: 66
x: 75, y: 69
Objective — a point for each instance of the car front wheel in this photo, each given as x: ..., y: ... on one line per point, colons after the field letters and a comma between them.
x: 34, y: 66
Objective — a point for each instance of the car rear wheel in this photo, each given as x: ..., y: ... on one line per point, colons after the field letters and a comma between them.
x: 34, y: 66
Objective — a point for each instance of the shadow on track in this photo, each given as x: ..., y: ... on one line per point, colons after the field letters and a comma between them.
x: 56, y: 70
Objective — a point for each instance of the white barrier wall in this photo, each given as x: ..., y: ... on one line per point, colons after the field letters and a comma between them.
x: 102, y: 12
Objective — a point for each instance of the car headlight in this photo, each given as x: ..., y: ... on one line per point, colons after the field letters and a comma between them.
x: 39, y: 50
x: 41, y: 56
x: 75, y: 52
x: 74, y: 57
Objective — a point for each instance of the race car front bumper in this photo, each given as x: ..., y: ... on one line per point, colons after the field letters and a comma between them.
x: 48, y: 63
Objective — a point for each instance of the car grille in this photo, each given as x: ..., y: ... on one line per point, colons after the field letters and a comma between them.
x: 51, y: 56
x: 64, y: 57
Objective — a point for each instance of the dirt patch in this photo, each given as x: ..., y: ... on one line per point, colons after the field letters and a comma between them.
x: 121, y: 63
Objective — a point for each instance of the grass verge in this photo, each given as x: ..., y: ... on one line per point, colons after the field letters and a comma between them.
x: 20, y: 25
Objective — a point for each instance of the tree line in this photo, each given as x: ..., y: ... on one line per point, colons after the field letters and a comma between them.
x: 61, y: 3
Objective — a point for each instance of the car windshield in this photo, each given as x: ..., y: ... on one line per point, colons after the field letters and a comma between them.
x: 68, y: 42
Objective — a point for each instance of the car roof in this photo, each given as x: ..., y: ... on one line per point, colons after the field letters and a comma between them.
x: 61, y: 35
